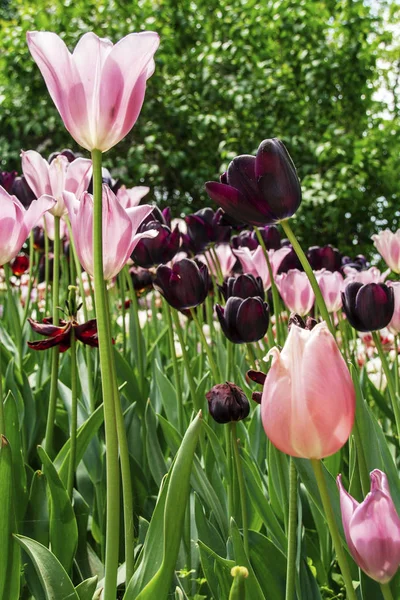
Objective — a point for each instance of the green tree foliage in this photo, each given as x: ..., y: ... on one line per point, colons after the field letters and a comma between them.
x: 230, y: 73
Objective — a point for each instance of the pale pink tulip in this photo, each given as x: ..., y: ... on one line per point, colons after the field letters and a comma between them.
x: 253, y: 262
x: 331, y: 286
x: 388, y: 246
x: 226, y: 259
x: 16, y: 223
x: 394, y: 325
x: 308, y: 399
x: 57, y: 177
x: 372, y: 529
x: 98, y: 89
x: 119, y: 230
x: 296, y: 291
x: 372, y: 275
x: 130, y: 197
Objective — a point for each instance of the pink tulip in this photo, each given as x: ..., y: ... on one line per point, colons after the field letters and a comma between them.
x: 253, y: 262
x: 57, y: 177
x: 372, y: 275
x: 388, y: 246
x: 296, y: 291
x: 308, y: 399
x: 394, y: 325
x: 372, y: 529
x: 130, y: 197
x: 119, y: 230
x: 99, y: 88
x: 226, y: 260
x: 331, y: 286
x: 16, y: 222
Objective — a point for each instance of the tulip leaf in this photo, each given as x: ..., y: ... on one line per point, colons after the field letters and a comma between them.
x: 217, y: 571
x: 53, y: 578
x: 157, y: 465
x: 253, y: 587
x: 168, y: 394
x: 14, y: 438
x: 10, y: 553
x: 87, y: 588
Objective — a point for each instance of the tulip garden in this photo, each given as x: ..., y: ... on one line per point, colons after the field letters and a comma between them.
x: 197, y: 408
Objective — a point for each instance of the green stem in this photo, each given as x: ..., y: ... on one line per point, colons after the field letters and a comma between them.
x: 310, y: 274
x: 135, y: 312
x: 242, y: 487
x: 186, y: 361
x: 386, y: 591
x: 252, y: 355
x: 342, y: 327
x: 229, y: 354
x: 121, y: 285
x: 51, y: 414
x: 392, y: 391
x: 175, y: 367
x: 292, y: 533
x: 106, y: 359
x: 362, y: 465
x: 31, y: 278
x: 229, y: 483
x: 213, y: 366
x: 46, y: 268
x: 74, y: 416
x: 396, y: 364
x: 2, y: 417
x: 330, y: 518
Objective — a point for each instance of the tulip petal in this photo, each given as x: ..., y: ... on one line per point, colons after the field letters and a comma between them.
x: 234, y: 203
x: 78, y: 176
x: 36, y: 171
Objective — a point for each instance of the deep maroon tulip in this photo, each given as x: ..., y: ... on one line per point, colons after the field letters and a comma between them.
x: 227, y: 402
x: 327, y: 257
x: 359, y: 262
x: 7, y: 179
x: 290, y: 261
x: 22, y: 191
x: 71, y: 156
x: 243, y: 286
x: 186, y: 285
x: 160, y: 249
x: 261, y: 189
x: 19, y: 264
x: 245, y: 239
x: 142, y: 279
x: 60, y: 335
x: 203, y: 227
x: 368, y: 307
x: 271, y: 236
x: 258, y: 377
x: 243, y: 321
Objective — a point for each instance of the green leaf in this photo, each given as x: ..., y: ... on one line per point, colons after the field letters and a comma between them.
x: 217, y: 571
x: 269, y: 564
x: 157, y: 465
x: 14, y: 437
x: 168, y: 394
x: 55, y: 582
x: 253, y: 587
x: 63, y: 527
x: 87, y: 588
x: 10, y: 554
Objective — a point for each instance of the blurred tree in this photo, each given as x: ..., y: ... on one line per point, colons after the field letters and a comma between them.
x: 230, y: 73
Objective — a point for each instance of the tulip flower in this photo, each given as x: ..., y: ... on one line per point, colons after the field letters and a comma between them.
x: 225, y: 260
x: 290, y: 261
x: 22, y: 191
x: 60, y: 335
x: 372, y: 529
x: 245, y: 239
x: 394, y: 325
x: 161, y: 249
x: 388, y: 245
x: 55, y: 178
x: 271, y: 237
x: 243, y: 286
x: 331, y: 285
x: 19, y: 264
x: 371, y: 275
x: 119, y: 230
x: 227, y: 402
x: 130, y: 197
x: 243, y: 321
x: 203, y: 227
x: 254, y: 263
x: 368, y: 307
x: 327, y: 257
x: 7, y: 179
x: 16, y: 222
x: 98, y: 89
x: 261, y: 189
x: 308, y: 400
x: 296, y: 291
x: 185, y: 285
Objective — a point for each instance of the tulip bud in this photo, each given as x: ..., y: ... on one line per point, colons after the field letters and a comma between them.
x: 372, y: 529
x: 245, y: 239
x: 388, y: 246
x: 271, y: 237
x: 19, y: 264
x: 203, y: 228
x: 261, y: 189
x: 368, y: 307
x: 327, y: 257
x: 296, y: 291
x: 243, y: 321
x: 186, y: 285
x: 331, y: 285
x: 243, y: 286
x: 7, y: 179
x: 22, y: 191
x: 227, y: 402
x: 160, y: 249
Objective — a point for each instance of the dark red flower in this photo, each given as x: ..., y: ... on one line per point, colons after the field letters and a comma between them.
x: 60, y: 335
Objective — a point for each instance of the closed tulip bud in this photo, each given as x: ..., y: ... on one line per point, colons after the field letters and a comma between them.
x: 261, y: 189
x: 243, y: 286
x: 296, y: 291
x: 327, y: 257
x: 227, y: 402
x: 203, y: 228
x: 20, y: 264
x: 245, y: 239
x: 368, y: 307
x: 308, y: 400
x: 388, y: 246
x: 372, y: 529
x: 161, y: 249
x: 331, y: 285
x: 7, y: 179
x: 243, y: 321
x: 184, y: 286
x: 271, y: 237
x: 22, y: 191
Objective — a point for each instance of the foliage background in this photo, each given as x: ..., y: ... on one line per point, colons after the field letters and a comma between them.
x: 323, y: 75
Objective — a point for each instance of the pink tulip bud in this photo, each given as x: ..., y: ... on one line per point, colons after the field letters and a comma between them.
x: 372, y: 529
x: 16, y: 223
x: 388, y: 246
x: 331, y: 284
x: 119, y: 230
x: 99, y: 88
x: 308, y: 400
x: 253, y: 262
x: 296, y: 291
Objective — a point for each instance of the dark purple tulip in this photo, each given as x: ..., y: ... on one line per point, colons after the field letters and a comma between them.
x: 71, y: 156
x: 22, y: 191
x: 160, y: 249
x: 141, y: 278
x: 227, y: 402
x: 7, y: 179
x: 243, y: 286
x: 243, y: 321
x: 368, y: 307
x: 186, y: 285
x: 203, y: 227
x: 359, y: 263
x: 158, y: 215
x: 290, y: 261
x: 259, y: 190
x: 327, y: 257
x: 245, y: 239
x: 271, y: 236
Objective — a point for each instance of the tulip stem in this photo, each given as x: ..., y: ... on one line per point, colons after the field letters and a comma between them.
x: 175, y: 367
x: 274, y: 289
x: 214, y: 369
x: 396, y: 363
x: 51, y: 414
x: 310, y: 274
x: 292, y: 532
x: 330, y: 518
x: 392, y: 391
x: 386, y: 591
x: 74, y: 416
x: 135, y: 312
x: 2, y: 417
x: 242, y: 487
x: 106, y: 358
x: 186, y: 361
x: 31, y: 278
x: 46, y: 267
